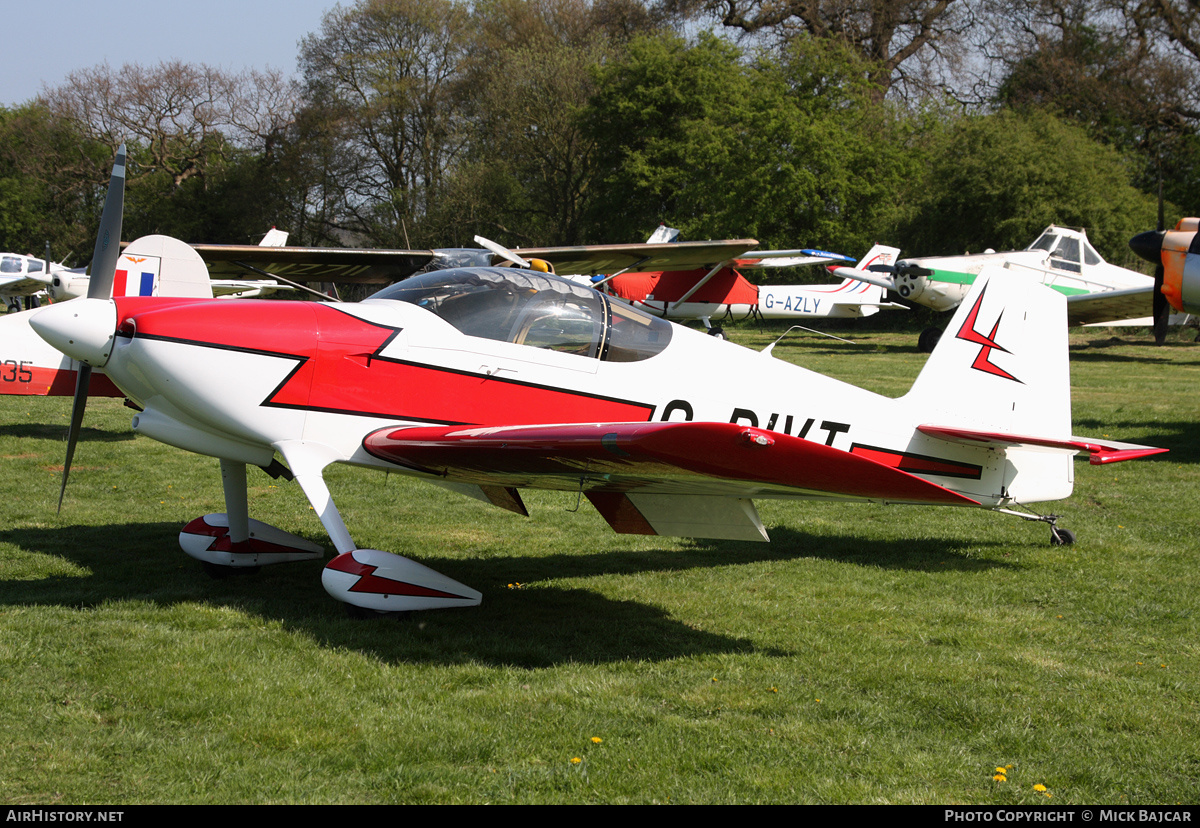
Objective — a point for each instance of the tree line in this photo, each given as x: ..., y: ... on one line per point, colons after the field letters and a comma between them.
x: 940, y: 126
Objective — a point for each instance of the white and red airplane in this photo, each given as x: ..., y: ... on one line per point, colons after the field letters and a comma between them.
x: 488, y: 380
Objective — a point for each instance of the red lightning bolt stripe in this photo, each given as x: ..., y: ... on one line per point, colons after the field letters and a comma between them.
x: 983, y: 360
x: 369, y: 582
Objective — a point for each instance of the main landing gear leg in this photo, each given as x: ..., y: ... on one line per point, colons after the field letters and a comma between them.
x: 711, y: 329
x: 369, y: 579
x: 232, y: 542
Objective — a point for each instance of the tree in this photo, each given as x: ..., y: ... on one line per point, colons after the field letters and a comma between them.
x: 387, y: 78
x: 48, y: 184
x: 891, y: 36
x: 998, y: 180
x: 784, y: 150
x: 181, y: 118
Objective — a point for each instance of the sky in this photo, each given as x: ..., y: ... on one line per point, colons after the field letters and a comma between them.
x: 50, y: 38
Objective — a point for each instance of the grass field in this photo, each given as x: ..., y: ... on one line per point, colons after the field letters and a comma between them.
x: 869, y: 654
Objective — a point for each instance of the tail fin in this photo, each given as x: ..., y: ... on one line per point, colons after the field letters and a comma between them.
x: 880, y: 254
x: 999, y: 378
x: 1001, y: 364
x: 274, y: 238
x: 161, y: 266
x: 853, y: 291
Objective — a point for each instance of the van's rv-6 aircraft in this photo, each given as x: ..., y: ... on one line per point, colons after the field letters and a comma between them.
x: 1061, y: 258
x: 488, y: 380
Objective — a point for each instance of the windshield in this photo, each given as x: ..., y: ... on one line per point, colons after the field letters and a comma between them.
x: 535, y: 309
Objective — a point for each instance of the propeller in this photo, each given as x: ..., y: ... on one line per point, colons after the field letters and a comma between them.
x: 104, y: 266
x: 1162, y: 310
x: 502, y: 252
x: 1149, y: 246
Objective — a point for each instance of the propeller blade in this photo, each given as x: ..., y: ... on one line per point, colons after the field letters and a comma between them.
x: 108, y: 239
x: 1162, y: 309
x: 502, y: 252
x: 82, y: 381
x: 104, y: 267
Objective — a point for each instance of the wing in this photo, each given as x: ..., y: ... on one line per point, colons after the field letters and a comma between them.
x: 1110, y: 305
x: 21, y: 285
x: 676, y: 478
x: 792, y: 258
x: 313, y: 264
x: 609, y: 258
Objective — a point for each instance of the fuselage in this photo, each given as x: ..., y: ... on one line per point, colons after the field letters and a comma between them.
x: 236, y: 379
x: 1061, y: 258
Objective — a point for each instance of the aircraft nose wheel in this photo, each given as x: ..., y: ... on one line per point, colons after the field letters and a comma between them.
x: 929, y: 339
x: 1061, y: 537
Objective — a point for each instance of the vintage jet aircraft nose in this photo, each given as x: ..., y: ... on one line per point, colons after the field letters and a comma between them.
x: 1148, y: 245
x: 83, y: 329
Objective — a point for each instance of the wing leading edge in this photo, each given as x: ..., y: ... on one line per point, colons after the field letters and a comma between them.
x: 676, y: 478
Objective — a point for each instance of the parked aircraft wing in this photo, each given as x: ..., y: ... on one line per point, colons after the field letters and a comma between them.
x: 608, y: 258
x: 313, y: 264
x: 1110, y: 306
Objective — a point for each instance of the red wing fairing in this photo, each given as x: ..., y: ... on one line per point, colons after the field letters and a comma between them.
x: 727, y: 286
x: 664, y: 458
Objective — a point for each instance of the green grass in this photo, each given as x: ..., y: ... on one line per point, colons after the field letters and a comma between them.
x: 869, y: 654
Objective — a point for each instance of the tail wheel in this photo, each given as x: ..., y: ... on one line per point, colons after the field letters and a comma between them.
x: 1061, y: 537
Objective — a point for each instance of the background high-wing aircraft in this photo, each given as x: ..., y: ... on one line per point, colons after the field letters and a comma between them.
x: 24, y: 276
x: 488, y: 380
x: 722, y: 291
x: 1062, y: 258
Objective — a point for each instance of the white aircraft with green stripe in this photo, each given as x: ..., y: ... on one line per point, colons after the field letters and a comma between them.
x: 1098, y: 293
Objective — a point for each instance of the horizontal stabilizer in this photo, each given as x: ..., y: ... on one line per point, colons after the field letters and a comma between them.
x: 1100, y: 451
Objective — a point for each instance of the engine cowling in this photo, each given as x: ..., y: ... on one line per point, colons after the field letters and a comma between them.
x: 1181, y: 266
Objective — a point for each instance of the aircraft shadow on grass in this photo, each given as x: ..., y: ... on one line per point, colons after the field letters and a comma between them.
x: 521, y: 621
x: 42, y: 431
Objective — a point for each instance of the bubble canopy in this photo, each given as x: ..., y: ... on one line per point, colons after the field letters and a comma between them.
x: 535, y: 309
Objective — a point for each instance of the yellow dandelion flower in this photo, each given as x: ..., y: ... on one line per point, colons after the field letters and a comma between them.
x: 1008, y: 767
x: 1001, y: 770
x: 575, y: 760
x: 596, y: 740
x: 999, y: 778
x: 1040, y: 788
